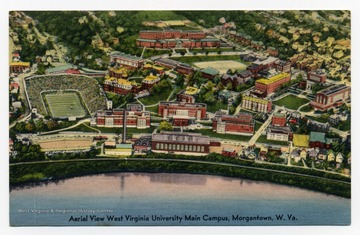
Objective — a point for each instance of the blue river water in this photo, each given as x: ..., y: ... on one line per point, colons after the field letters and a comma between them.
x: 137, y: 199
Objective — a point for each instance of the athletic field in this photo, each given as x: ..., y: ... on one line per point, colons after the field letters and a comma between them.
x: 65, y: 105
x: 221, y: 65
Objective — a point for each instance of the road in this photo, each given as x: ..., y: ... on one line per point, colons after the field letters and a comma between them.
x: 262, y: 128
x: 186, y: 161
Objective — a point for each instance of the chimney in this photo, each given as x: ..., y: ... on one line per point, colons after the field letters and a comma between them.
x: 124, y: 126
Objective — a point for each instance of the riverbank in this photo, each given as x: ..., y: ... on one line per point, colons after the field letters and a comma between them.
x: 21, y: 174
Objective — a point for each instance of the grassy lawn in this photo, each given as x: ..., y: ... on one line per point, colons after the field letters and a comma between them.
x: 83, y: 128
x: 291, y: 102
x: 307, y: 109
x: 155, y: 98
x: 258, y: 125
x: 202, y: 58
x: 323, y: 118
x: 262, y: 139
x: 153, y: 109
x: 212, y: 133
x: 216, y: 107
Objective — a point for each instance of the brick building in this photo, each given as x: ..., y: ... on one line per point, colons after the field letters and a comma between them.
x: 283, y: 66
x: 331, y: 97
x: 240, y: 124
x: 237, y: 78
x: 272, y: 51
x: 187, y: 95
x: 148, y: 82
x: 114, y: 118
x: 318, y: 139
x: 120, y: 86
x: 180, y: 143
x: 264, y: 87
x: 175, y: 38
x: 256, y: 104
x: 129, y: 61
x: 228, y: 152
x: 182, y: 110
x: 209, y: 73
x: 279, y: 119
x: 318, y: 76
x: 118, y: 72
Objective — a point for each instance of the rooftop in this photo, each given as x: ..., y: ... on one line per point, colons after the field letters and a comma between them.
x: 123, y: 55
x: 254, y: 99
x: 60, y: 68
x: 181, y: 137
x: 20, y: 63
x: 301, y: 140
x: 210, y: 71
x: 334, y: 89
x: 191, y: 90
x: 317, y: 137
x: 273, y: 79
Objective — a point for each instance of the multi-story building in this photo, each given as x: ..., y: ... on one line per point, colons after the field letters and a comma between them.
x: 175, y: 38
x: 182, y: 111
x: 264, y: 87
x: 19, y: 67
x: 181, y: 143
x: 331, y: 97
x: 119, y: 86
x: 279, y: 119
x: 167, y: 63
x: 283, y: 66
x: 115, y: 117
x: 129, y: 61
x: 149, y: 82
x: 118, y: 72
x: 237, y: 78
x: 318, y: 76
x: 209, y: 73
x: 256, y: 104
x: 240, y: 124
x: 279, y: 133
x: 187, y: 95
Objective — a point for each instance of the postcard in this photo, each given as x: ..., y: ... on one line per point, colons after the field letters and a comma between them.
x: 180, y: 118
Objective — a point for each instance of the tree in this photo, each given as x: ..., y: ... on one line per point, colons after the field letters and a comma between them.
x: 51, y: 124
x: 165, y: 126
x: 30, y: 127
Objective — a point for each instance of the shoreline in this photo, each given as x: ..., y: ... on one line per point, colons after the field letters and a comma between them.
x: 25, y: 174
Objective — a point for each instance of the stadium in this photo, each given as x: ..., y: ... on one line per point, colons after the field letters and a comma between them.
x: 65, y: 96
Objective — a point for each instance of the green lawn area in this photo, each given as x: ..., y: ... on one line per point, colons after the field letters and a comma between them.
x: 83, y: 128
x: 212, y: 133
x: 153, y: 109
x: 194, y: 59
x: 262, y: 139
x: 306, y: 109
x: 323, y: 118
x: 291, y: 102
x: 155, y: 98
x: 216, y: 107
x: 258, y: 125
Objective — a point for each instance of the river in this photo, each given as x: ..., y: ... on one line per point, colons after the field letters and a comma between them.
x: 122, y: 199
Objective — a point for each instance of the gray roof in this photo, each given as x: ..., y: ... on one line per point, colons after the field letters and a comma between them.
x: 181, y: 137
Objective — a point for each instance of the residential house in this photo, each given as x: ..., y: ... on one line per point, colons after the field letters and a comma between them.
x: 339, y: 158
x: 322, y: 154
x: 330, y: 156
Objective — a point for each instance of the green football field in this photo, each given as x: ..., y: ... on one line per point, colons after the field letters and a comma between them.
x: 65, y: 105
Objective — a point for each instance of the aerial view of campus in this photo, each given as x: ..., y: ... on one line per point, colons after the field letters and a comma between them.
x: 179, y: 118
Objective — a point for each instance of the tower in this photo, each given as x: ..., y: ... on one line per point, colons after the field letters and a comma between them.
x: 124, y: 126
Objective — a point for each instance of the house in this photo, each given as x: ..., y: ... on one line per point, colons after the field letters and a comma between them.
x: 303, y: 154
x: 295, y: 154
x: 322, y: 154
x: 313, y: 153
x: 228, y: 152
x: 339, y: 158
x: 330, y: 156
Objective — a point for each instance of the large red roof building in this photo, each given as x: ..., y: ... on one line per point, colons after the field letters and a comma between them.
x: 240, y: 124
x: 331, y: 97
